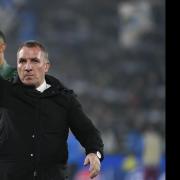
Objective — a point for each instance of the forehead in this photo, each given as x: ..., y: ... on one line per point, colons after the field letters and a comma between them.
x: 29, y: 52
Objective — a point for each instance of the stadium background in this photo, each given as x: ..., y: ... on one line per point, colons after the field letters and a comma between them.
x: 112, y: 53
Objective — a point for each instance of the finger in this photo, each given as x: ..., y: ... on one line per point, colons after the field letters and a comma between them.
x: 86, y: 161
x: 92, y: 165
x: 94, y: 171
x: 93, y: 174
x: 95, y: 165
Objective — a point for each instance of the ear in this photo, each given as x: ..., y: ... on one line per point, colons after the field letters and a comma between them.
x: 47, y: 66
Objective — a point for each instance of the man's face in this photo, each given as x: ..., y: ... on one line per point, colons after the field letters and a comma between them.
x: 2, y: 46
x: 32, y: 66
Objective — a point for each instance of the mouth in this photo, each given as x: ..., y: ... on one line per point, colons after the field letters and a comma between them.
x: 28, y: 76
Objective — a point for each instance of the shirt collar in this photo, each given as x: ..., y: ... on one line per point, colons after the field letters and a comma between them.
x: 43, y: 87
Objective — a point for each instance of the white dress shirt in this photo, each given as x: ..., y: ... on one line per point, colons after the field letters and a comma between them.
x: 43, y: 87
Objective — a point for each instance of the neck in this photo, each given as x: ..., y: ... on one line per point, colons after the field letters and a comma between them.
x: 41, y: 84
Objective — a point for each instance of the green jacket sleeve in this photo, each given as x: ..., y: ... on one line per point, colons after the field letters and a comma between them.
x: 7, y: 72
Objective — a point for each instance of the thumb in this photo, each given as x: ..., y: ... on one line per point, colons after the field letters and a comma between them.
x: 86, y: 161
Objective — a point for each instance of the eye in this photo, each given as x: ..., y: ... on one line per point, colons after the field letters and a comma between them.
x: 35, y: 60
x: 21, y: 61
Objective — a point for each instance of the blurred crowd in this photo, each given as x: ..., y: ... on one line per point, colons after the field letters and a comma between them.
x: 111, y: 53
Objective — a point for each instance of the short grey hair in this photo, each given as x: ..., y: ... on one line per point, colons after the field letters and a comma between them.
x: 34, y: 43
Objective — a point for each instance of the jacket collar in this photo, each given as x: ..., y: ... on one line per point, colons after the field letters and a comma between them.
x: 55, y: 83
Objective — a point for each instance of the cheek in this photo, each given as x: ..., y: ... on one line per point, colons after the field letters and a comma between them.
x: 2, y: 48
x: 19, y: 68
x: 40, y: 71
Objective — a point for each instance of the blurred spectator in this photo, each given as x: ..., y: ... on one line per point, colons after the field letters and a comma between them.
x: 152, y: 153
x: 6, y: 71
x: 163, y: 176
x: 130, y: 163
x: 110, y: 143
x: 134, y: 138
x: 7, y: 15
x: 137, y: 20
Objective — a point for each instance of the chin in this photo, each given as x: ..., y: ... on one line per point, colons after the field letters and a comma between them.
x: 28, y: 83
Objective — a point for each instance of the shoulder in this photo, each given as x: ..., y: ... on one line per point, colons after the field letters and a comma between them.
x: 59, y: 87
x: 12, y: 74
x: 8, y: 72
x: 68, y: 92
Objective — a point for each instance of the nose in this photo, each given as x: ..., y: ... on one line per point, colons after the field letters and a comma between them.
x: 28, y: 67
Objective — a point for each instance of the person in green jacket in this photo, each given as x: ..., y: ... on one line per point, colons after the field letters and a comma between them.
x: 6, y: 71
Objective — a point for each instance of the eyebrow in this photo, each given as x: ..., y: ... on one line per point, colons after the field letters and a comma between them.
x: 32, y: 59
x: 35, y: 59
x: 21, y: 59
